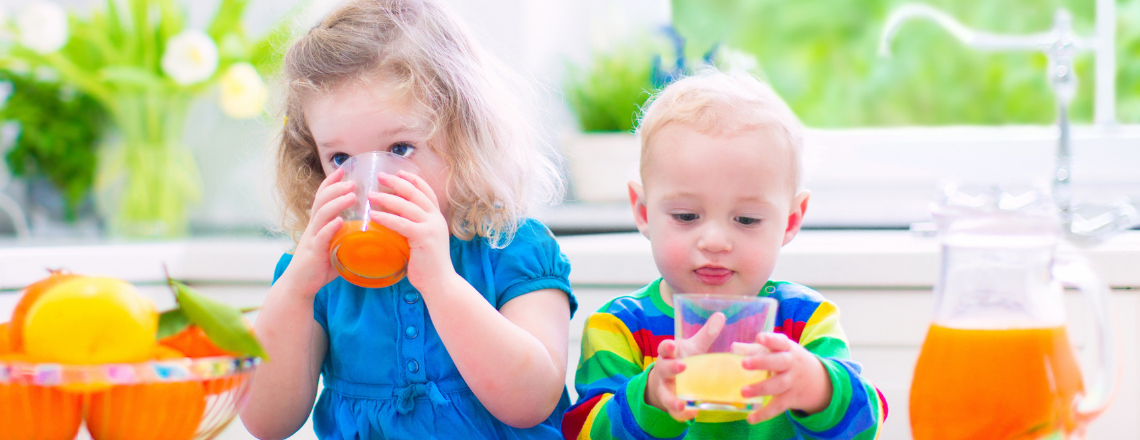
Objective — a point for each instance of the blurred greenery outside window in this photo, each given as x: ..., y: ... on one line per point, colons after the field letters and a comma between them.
x: 822, y: 57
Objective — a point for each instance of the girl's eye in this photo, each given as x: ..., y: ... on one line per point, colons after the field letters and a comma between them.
x: 685, y: 218
x: 338, y: 159
x: 402, y: 149
x: 747, y: 221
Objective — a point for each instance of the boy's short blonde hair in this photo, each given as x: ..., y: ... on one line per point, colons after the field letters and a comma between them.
x: 498, y: 168
x: 719, y: 103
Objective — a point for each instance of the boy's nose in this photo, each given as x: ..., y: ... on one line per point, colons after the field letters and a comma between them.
x: 714, y: 238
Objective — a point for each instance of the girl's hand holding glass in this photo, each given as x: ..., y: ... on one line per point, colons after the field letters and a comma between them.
x: 413, y: 211
x: 797, y: 379
x: 311, y: 268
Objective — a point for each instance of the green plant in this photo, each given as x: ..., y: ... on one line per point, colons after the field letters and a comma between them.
x: 142, y: 63
x: 58, y: 131
x: 606, y: 95
x: 821, y: 56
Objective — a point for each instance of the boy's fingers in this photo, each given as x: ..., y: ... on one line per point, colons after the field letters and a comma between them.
x: 703, y: 339
x: 772, y: 386
x: 775, y: 341
x: 775, y: 362
x: 773, y: 408
x: 667, y: 369
x: 667, y: 349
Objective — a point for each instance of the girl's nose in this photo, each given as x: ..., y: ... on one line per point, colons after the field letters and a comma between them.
x: 714, y: 238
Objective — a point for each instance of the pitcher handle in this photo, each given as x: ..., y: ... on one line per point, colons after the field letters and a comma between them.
x: 1076, y: 272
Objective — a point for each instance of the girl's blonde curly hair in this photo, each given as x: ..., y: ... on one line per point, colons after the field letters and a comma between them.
x: 498, y: 169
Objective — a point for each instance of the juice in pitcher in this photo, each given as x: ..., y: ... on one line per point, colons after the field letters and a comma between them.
x: 369, y: 255
x: 983, y: 384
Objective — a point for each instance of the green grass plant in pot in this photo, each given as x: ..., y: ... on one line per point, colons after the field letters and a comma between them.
x: 142, y: 63
x: 605, y: 97
x: 58, y: 129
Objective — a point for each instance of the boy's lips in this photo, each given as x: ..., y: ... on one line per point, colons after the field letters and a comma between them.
x: 713, y: 276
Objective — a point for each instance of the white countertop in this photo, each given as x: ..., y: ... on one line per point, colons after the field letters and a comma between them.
x: 819, y: 258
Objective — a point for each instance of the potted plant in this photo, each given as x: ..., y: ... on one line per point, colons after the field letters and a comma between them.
x: 56, y: 130
x: 605, y: 97
x: 142, y: 63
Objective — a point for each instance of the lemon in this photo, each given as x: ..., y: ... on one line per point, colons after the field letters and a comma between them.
x: 91, y: 320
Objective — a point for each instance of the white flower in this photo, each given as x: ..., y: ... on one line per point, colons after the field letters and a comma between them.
x: 42, y: 27
x: 190, y: 57
x: 243, y: 92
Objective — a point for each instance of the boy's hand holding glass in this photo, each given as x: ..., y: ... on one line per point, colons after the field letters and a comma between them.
x: 797, y: 379
x: 661, y: 386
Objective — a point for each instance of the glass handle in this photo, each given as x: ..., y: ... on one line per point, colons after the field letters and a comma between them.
x: 1076, y: 272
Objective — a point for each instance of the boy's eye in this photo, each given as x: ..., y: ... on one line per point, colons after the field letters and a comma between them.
x: 747, y: 221
x: 338, y: 159
x: 685, y: 217
x: 402, y: 149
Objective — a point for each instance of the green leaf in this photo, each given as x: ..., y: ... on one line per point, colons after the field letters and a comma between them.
x: 172, y: 322
x: 131, y: 76
x: 221, y: 323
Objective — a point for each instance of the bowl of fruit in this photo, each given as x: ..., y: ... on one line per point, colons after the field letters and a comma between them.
x: 91, y: 355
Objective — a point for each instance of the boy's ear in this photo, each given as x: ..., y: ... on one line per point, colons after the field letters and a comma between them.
x: 796, y: 217
x: 637, y: 202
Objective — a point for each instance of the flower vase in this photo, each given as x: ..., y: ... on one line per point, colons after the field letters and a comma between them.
x: 147, y: 178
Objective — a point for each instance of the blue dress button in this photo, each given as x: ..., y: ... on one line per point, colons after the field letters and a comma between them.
x: 413, y: 366
x: 411, y: 297
x: 411, y: 332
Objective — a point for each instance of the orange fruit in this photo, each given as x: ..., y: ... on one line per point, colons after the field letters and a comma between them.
x: 372, y: 256
x: 36, y: 412
x: 91, y: 320
x: 32, y: 293
x: 5, y: 339
x: 144, y: 411
x: 193, y: 342
x: 163, y: 353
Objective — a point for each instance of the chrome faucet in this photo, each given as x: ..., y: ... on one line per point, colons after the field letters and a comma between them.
x: 1061, y: 45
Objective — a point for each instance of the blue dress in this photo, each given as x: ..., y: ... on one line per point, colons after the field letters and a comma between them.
x: 387, y: 374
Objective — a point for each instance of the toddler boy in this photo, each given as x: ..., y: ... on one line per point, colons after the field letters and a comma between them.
x: 720, y: 194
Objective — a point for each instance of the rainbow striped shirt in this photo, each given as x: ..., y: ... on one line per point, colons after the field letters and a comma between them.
x: 620, y: 343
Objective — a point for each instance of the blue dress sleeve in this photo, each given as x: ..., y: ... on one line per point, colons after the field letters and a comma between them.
x: 532, y: 261
x: 319, y: 312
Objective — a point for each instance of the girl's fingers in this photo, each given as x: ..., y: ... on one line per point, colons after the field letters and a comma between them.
x: 324, y: 236
x: 404, y: 188
x: 331, y: 210
x: 331, y: 192
x: 420, y: 184
x: 772, y: 386
x: 775, y: 362
x: 397, y: 205
x: 332, y: 178
x: 773, y: 408
x: 394, y: 222
x: 774, y: 341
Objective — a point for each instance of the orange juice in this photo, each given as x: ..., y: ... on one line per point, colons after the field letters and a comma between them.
x: 994, y: 384
x: 717, y: 378
x: 369, y: 255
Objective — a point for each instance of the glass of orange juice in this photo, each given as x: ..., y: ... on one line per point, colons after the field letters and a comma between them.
x: 714, y: 356
x: 363, y: 252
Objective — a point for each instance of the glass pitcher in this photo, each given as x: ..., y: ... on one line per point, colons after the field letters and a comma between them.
x: 996, y: 362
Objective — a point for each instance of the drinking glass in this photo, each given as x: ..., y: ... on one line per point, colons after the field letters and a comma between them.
x: 714, y: 354
x: 363, y: 252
